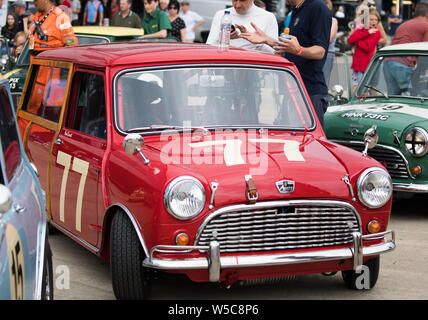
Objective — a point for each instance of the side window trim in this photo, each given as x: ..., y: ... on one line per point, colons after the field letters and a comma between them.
x: 28, y: 83
x: 79, y: 75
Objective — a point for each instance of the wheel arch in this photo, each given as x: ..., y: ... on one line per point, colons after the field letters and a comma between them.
x: 106, y: 229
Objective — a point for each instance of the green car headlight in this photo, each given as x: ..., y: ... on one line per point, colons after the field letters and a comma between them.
x: 416, y: 142
x: 374, y: 187
x: 184, y: 197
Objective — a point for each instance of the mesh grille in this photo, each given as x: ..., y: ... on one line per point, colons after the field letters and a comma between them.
x: 392, y: 160
x: 284, y: 228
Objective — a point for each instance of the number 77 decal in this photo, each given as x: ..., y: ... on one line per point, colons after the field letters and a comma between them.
x: 79, y: 166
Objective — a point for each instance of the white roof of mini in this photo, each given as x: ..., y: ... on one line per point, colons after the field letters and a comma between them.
x: 417, y: 46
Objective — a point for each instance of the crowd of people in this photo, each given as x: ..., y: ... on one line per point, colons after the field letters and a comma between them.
x: 161, y: 19
x: 311, y: 23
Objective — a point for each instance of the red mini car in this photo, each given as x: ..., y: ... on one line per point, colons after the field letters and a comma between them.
x: 184, y: 159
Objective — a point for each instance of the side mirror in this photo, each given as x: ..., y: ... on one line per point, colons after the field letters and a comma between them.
x: 338, y: 90
x: 133, y: 143
x: 370, y: 139
x: 6, y: 199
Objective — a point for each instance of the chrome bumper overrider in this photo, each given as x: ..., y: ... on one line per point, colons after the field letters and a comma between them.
x: 214, y: 262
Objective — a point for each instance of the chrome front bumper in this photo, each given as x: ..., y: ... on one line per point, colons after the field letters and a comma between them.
x: 214, y: 262
x: 410, y: 187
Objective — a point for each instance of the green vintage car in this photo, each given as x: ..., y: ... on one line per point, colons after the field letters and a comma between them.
x: 391, y: 101
x: 17, y: 72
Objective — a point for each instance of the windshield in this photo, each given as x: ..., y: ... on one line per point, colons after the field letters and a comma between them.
x: 396, y: 75
x: 209, y: 97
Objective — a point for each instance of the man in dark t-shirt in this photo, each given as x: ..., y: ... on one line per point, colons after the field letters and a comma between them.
x: 310, y: 25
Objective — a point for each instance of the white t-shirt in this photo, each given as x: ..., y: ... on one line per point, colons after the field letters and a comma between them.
x: 76, y: 5
x: 190, y: 18
x: 263, y: 19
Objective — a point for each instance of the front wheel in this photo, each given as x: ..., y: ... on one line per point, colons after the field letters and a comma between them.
x: 130, y: 279
x: 365, y: 278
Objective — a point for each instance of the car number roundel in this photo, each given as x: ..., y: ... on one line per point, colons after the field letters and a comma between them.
x: 16, y: 263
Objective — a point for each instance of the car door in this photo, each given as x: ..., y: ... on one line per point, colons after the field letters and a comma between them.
x: 77, y: 157
x: 21, y: 214
x: 40, y: 115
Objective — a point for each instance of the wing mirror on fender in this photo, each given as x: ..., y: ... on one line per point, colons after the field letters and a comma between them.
x: 5, y: 199
x: 338, y: 91
x: 370, y: 139
x: 133, y: 143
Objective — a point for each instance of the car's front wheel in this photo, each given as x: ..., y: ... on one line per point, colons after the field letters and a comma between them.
x: 365, y: 278
x: 130, y: 279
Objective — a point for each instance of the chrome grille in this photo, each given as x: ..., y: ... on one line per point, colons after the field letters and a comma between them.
x: 393, y: 161
x: 281, y: 228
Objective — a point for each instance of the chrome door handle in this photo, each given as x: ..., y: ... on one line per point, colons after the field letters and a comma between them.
x: 58, y: 141
x: 18, y: 208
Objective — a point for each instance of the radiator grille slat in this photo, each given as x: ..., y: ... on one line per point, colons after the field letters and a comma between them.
x: 395, y: 164
x: 281, y: 228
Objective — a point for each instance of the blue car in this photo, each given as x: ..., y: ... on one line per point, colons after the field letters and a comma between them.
x: 25, y: 256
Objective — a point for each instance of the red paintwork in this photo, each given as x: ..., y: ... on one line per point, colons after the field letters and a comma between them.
x: 124, y: 179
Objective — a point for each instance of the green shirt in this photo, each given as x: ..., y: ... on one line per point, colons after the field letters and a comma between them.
x: 156, y: 22
x: 132, y: 20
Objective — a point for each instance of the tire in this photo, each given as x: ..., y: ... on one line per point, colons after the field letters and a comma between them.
x: 352, y: 278
x: 129, y: 278
x: 47, y: 278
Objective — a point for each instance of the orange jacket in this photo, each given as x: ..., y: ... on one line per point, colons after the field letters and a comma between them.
x: 56, y: 27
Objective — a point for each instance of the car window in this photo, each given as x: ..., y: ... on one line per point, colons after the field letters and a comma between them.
x: 396, y: 75
x: 89, y: 113
x: 8, y: 135
x: 82, y: 40
x: 242, y: 97
x: 47, y: 92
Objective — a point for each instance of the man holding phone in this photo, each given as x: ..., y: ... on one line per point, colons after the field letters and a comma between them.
x: 243, y: 13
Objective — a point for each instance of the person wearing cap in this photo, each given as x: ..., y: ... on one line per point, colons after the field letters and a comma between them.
x: 50, y: 28
x: 155, y: 22
x: 244, y: 13
x: 19, y: 8
x: 191, y: 19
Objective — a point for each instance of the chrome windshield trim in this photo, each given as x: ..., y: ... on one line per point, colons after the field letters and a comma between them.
x: 210, y: 65
x: 275, y: 204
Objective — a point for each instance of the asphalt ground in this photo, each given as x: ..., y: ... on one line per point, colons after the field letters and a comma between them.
x: 80, y: 275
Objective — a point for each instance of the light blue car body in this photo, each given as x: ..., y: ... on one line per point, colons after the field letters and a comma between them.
x: 23, y: 225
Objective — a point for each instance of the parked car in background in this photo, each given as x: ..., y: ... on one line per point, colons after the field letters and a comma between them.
x: 396, y: 102
x: 176, y: 158
x: 16, y: 72
x: 25, y: 257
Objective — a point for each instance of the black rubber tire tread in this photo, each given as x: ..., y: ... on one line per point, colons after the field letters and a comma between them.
x: 129, y: 279
x: 350, y: 277
x: 48, y: 276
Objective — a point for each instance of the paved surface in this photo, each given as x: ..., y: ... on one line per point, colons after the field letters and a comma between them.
x: 403, y: 272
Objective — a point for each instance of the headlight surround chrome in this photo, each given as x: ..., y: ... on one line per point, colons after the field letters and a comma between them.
x: 184, y: 197
x: 374, y: 187
x: 416, y: 142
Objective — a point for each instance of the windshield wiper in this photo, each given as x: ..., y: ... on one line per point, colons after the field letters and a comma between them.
x: 160, y: 127
x: 377, y: 90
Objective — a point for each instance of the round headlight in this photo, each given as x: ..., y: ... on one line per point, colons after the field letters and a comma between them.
x: 374, y: 187
x: 184, y: 197
x: 416, y: 142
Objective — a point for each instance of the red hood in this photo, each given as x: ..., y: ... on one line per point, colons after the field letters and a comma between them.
x: 268, y: 158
